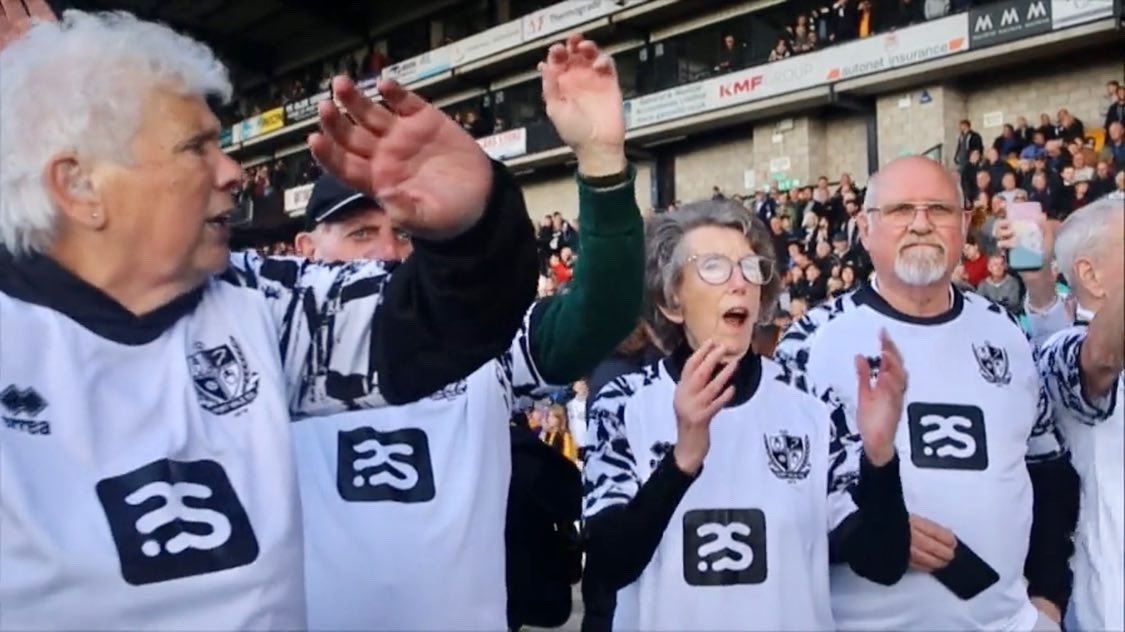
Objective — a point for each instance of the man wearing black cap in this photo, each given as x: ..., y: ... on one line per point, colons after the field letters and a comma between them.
x: 405, y: 508
x: 343, y: 224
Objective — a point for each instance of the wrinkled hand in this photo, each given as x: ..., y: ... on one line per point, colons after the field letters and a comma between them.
x: 1044, y: 605
x: 879, y: 405
x: 428, y: 173
x: 699, y: 397
x: 931, y: 545
x: 584, y: 103
x: 15, y: 18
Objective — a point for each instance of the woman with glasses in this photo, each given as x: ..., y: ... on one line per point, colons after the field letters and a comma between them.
x: 718, y: 491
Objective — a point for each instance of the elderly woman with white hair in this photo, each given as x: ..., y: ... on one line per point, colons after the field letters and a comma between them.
x: 718, y: 491
x: 147, y: 377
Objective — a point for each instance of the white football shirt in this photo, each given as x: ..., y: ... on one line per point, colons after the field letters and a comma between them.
x: 975, y: 413
x: 747, y: 546
x: 146, y: 477
x: 1095, y: 434
x: 404, y: 507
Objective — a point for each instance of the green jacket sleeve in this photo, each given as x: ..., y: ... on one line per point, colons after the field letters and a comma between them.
x: 572, y: 332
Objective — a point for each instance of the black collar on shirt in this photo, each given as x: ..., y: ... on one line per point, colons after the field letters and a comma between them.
x: 39, y: 280
x: 867, y: 295
x: 745, y: 380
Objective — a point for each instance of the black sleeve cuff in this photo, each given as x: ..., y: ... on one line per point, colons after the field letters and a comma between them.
x: 875, y: 540
x: 621, y: 540
x: 454, y: 305
x: 1054, y: 518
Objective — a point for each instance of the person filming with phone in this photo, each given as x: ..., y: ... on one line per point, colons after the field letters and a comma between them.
x: 983, y: 470
x: 1081, y: 363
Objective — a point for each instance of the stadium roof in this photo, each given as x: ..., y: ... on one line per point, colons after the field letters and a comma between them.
x: 260, y: 38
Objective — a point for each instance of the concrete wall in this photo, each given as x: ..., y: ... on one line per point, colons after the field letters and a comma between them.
x: 559, y: 193
x: 717, y: 163
x: 845, y: 148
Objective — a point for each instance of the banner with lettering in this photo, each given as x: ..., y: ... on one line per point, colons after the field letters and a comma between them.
x: 877, y: 53
x: 505, y: 145
x: 297, y: 111
x: 1008, y: 21
x: 1068, y: 13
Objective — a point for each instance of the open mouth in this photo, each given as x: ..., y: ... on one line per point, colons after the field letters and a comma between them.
x: 736, y: 316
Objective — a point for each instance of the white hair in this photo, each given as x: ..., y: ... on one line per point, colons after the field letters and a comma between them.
x: 1086, y: 231
x: 79, y: 85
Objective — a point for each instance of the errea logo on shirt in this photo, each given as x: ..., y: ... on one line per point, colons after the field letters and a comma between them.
x: 21, y: 408
x: 724, y: 547
x: 394, y: 466
x: 172, y: 519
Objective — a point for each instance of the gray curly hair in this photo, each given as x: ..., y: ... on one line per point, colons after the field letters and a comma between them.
x: 666, y: 255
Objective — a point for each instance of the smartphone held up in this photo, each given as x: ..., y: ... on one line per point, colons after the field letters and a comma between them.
x: 1027, y: 251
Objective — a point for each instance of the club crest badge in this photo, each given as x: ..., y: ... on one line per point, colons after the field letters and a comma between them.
x: 993, y: 363
x: 788, y: 456
x: 223, y: 380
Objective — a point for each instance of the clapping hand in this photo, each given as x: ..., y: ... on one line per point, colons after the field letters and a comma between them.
x: 584, y: 103
x: 700, y: 395
x: 16, y: 16
x: 428, y: 173
x: 879, y: 404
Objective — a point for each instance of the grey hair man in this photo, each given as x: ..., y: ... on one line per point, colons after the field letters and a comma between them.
x: 1082, y: 367
x: 149, y: 376
x: 983, y: 494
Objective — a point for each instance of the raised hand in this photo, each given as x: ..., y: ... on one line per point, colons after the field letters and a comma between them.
x: 879, y: 405
x: 931, y: 545
x: 428, y: 173
x: 584, y: 103
x: 16, y: 16
x: 700, y: 395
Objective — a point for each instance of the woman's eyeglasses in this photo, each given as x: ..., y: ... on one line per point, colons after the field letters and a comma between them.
x: 716, y: 269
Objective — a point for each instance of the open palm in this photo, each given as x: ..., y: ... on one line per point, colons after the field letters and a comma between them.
x: 16, y: 17
x: 432, y: 178
x: 582, y: 95
x: 879, y: 403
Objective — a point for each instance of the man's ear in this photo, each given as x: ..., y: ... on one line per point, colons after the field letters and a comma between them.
x: 73, y: 191
x: 864, y: 227
x: 305, y: 245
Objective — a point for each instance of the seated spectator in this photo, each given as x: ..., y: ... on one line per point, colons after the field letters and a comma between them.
x: 731, y: 55
x: 1025, y: 133
x: 1114, y: 149
x: 848, y: 278
x: 556, y: 433
x: 559, y: 270
x: 1102, y: 184
x: 1082, y: 169
x: 1007, y: 142
x: 1036, y: 147
x: 1069, y: 127
x: 1000, y: 287
x: 780, y: 50
x: 1008, y: 186
x: 816, y: 284
x: 975, y: 264
x: 1116, y: 112
x: 1046, y: 127
x: 798, y: 307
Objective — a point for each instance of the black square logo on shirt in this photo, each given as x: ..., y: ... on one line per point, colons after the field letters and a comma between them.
x: 173, y: 519
x: 395, y: 466
x: 724, y: 547
x: 947, y: 436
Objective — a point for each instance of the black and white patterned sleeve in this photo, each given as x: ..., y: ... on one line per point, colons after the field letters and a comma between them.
x: 609, y: 469
x: 1045, y: 442
x: 324, y: 314
x: 1059, y: 365
x: 523, y: 374
x: 845, y: 453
